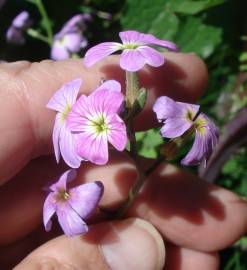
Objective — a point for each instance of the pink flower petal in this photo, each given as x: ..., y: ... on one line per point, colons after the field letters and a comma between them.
x: 152, y: 56
x: 59, y: 51
x: 100, y: 51
x: 85, y: 198
x: 111, y: 85
x: 70, y: 221
x: 196, y: 153
x: 55, y: 136
x: 93, y: 147
x: 78, y: 118
x: 152, y: 40
x: 106, y: 101
x: 131, y: 36
x: 131, y: 60
x: 65, y: 96
x: 66, y: 177
x: 136, y: 37
x: 67, y: 148
x: 175, y: 127
x: 48, y: 211
x: 204, y: 143
x: 165, y: 107
x: 72, y: 42
x: 117, y: 134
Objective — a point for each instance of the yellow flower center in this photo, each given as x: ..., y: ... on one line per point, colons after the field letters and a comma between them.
x: 66, y: 111
x: 200, y: 124
x: 100, y: 124
x: 62, y: 195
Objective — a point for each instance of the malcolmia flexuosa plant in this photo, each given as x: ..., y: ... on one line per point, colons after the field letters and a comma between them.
x: 85, y: 127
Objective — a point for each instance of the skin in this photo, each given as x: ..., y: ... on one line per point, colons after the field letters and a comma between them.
x: 181, y: 220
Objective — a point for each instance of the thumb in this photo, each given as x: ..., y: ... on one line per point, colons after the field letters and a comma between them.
x: 127, y: 244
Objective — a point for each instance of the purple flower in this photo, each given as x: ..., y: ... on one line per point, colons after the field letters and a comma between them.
x: 20, y: 24
x: 136, y: 51
x: 95, y: 120
x: 73, y: 205
x: 70, y: 39
x: 63, y: 140
x: 178, y: 117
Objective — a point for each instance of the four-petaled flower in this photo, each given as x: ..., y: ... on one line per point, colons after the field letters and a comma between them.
x: 136, y: 51
x: 73, y: 205
x: 178, y: 117
x: 63, y: 140
x: 95, y: 120
x: 70, y: 39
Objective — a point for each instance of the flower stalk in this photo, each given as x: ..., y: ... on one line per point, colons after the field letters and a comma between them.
x: 46, y: 20
x: 35, y: 34
x: 132, y: 88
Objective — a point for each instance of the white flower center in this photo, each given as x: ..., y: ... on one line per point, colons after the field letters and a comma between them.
x: 100, y: 124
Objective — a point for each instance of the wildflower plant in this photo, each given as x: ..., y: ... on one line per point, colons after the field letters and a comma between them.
x: 65, y: 44
x: 85, y: 127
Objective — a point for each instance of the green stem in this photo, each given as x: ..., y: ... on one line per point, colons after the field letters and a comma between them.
x: 47, y: 22
x: 35, y: 34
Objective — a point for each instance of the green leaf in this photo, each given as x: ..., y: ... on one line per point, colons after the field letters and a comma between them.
x: 148, y: 17
x: 243, y: 57
x: 142, y: 97
x: 149, y: 142
x: 195, y: 36
x: 193, y: 7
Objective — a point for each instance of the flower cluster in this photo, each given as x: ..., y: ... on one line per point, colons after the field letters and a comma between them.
x: 70, y: 38
x: 86, y: 125
x: 20, y: 24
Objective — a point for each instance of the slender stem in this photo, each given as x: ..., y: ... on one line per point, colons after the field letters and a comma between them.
x: 47, y: 23
x: 35, y: 34
x: 134, y: 191
x: 132, y: 88
x: 132, y: 139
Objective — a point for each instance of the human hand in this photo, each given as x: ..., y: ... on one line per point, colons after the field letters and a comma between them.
x: 195, y: 218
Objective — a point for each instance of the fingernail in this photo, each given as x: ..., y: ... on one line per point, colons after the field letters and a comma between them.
x: 136, y: 244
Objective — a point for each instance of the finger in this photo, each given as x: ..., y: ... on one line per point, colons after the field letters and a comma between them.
x: 178, y: 258
x: 189, y: 211
x: 116, y: 245
x: 186, y: 210
x: 26, y: 124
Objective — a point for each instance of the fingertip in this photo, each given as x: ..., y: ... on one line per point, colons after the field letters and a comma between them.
x: 126, y: 244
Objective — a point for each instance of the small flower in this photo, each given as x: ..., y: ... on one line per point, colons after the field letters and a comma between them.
x: 70, y: 39
x: 20, y: 24
x: 136, y: 51
x: 178, y: 117
x: 95, y: 120
x: 63, y: 140
x: 73, y: 205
